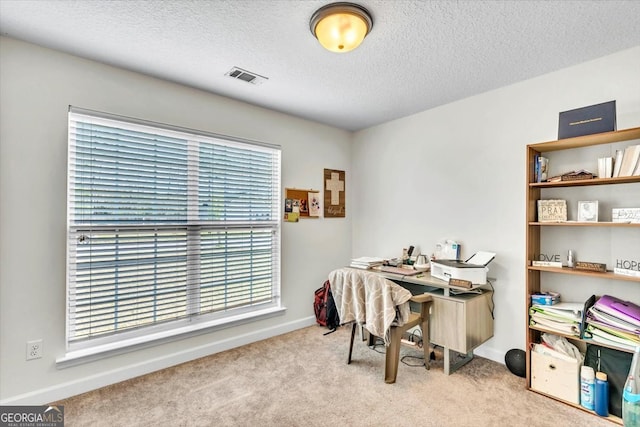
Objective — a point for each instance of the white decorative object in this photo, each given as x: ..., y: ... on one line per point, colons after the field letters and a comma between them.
x: 629, y: 215
x: 314, y: 203
x: 626, y: 272
x: 588, y: 211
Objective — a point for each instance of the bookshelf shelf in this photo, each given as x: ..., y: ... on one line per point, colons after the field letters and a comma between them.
x: 550, y: 235
x: 585, y: 182
x: 606, y: 275
x: 573, y: 337
x: 585, y: 224
x: 589, y: 140
x: 611, y: 418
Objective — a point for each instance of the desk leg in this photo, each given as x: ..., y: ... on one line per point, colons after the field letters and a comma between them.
x: 460, y: 360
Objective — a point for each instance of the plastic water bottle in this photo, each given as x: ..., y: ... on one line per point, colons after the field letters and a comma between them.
x: 587, y: 387
x: 602, y: 394
x: 631, y: 394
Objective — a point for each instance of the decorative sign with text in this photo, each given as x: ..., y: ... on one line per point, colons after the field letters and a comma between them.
x: 627, y: 267
x: 629, y: 215
x: 591, y: 266
x: 547, y: 260
x: 552, y: 210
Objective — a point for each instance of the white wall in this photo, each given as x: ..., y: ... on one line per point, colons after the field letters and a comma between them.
x: 36, y: 87
x: 452, y: 172
x: 458, y: 171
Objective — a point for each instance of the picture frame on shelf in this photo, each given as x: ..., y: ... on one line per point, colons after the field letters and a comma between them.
x: 588, y: 211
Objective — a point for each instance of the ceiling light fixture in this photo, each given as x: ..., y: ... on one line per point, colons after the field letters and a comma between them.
x: 341, y: 27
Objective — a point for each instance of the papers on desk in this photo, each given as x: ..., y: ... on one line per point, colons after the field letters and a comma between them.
x: 564, y: 317
x: 366, y: 262
x: 459, y: 291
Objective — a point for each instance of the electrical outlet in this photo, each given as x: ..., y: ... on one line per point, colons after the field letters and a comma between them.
x: 34, y: 349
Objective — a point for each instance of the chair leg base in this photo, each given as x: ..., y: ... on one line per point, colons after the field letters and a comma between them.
x: 392, y: 356
x: 353, y: 333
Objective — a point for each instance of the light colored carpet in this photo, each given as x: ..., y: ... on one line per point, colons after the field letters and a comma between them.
x: 302, y: 379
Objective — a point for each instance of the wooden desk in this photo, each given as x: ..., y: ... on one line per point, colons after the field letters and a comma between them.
x: 458, y: 323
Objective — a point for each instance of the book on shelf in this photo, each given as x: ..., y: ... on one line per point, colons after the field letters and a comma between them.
x: 626, y: 272
x: 617, y: 163
x: 595, y: 313
x: 565, y: 310
x: 563, y: 317
x: 605, y: 167
x: 630, y: 160
x: 556, y: 264
x: 603, y: 337
x: 542, y: 164
x: 613, y: 330
x: 568, y: 328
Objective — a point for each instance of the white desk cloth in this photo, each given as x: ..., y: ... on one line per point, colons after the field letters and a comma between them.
x: 370, y: 300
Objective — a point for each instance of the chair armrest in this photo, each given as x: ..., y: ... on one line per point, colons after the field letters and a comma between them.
x: 422, y: 298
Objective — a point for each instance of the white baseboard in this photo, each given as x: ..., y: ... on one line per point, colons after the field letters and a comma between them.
x: 83, y: 385
x: 490, y: 353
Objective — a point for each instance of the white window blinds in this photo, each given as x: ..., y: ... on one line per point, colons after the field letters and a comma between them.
x: 166, y: 226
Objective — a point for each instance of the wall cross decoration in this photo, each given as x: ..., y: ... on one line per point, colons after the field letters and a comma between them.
x: 334, y: 193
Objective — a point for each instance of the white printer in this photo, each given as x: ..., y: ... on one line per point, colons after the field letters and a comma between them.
x: 474, y: 269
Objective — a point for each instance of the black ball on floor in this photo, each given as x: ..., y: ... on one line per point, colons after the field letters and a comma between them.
x: 515, y: 361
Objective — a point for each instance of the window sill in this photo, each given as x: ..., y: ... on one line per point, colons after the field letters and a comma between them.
x: 78, y: 357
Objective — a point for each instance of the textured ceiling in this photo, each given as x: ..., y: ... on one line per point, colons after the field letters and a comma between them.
x: 419, y: 55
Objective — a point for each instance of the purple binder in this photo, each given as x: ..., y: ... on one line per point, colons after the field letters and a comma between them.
x: 624, y: 310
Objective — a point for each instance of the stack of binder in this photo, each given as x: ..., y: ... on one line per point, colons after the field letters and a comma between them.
x: 564, y: 317
x: 614, y: 322
x: 366, y: 262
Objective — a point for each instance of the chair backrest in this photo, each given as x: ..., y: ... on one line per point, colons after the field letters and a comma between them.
x: 369, y: 299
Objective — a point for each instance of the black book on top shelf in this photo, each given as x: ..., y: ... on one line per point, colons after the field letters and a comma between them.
x: 587, y: 120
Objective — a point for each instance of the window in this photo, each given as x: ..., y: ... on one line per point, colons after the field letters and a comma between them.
x: 169, y: 230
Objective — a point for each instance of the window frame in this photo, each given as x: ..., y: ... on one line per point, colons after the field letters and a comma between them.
x: 193, y: 322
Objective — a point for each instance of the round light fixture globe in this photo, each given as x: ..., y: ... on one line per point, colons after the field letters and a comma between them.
x: 341, y: 27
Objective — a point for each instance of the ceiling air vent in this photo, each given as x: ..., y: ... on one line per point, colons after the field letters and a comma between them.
x: 247, y: 76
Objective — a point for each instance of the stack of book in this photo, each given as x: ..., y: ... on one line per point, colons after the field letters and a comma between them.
x: 605, y: 167
x: 540, y: 168
x: 563, y: 317
x: 614, y: 322
x: 627, y: 162
x: 366, y: 262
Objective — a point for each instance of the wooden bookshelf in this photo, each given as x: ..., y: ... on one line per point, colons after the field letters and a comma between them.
x: 537, y: 275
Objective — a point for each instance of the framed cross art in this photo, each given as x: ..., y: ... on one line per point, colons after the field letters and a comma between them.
x: 334, y: 193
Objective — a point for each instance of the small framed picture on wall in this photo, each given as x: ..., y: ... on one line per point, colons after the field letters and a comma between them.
x: 588, y: 211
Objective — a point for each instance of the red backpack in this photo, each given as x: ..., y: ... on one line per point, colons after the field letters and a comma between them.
x: 325, y: 308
